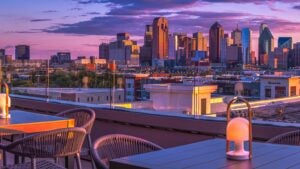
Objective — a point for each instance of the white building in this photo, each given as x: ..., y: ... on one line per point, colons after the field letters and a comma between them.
x: 277, y: 86
x: 194, y: 100
x: 82, y: 95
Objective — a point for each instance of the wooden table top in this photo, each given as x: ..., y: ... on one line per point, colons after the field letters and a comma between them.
x: 210, y: 154
x: 28, y: 122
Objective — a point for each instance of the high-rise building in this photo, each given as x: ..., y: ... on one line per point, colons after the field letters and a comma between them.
x: 124, y: 51
x: 216, y: 33
x: 262, y: 27
x: 265, y: 43
x: 104, y: 51
x: 200, y: 41
x: 2, y: 56
x: 236, y: 36
x: 61, y: 58
x: 296, y: 54
x: 233, y: 55
x: 285, y: 42
x: 225, y: 42
x: 278, y: 59
x: 22, y: 52
x: 146, y: 49
x: 246, y: 45
x: 173, y: 46
x: 160, y: 44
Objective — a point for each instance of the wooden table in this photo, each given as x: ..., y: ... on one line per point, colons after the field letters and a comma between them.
x: 210, y: 154
x: 22, y: 122
x: 26, y: 122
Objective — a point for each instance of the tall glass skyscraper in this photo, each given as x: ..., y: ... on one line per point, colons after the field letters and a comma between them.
x: 246, y: 45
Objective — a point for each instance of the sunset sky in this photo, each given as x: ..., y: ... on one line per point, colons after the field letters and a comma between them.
x: 79, y: 26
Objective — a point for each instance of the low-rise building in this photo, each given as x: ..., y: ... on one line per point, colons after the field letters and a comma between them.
x: 277, y: 86
x: 82, y: 95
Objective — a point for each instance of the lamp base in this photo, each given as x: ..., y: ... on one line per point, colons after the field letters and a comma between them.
x: 2, y: 116
x: 239, y: 156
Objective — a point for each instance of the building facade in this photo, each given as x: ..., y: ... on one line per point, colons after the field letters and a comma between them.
x: 160, y: 43
x: 146, y: 49
x: 246, y: 45
x: 236, y: 36
x: 273, y: 86
x: 124, y: 51
x: 265, y: 44
x: 22, y: 52
x: 104, y: 51
x: 216, y: 33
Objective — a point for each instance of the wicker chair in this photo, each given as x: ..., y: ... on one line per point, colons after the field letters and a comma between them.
x: 84, y: 118
x: 117, y: 145
x: 289, y: 138
x: 52, y: 144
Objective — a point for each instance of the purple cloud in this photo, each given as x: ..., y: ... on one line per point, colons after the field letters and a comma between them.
x: 50, y: 11
x: 297, y: 7
x: 40, y: 20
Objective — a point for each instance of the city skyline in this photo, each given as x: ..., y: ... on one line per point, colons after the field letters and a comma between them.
x: 79, y: 26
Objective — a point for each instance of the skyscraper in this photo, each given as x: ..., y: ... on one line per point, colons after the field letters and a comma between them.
x: 104, y: 51
x: 285, y: 42
x: 296, y: 54
x: 201, y: 42
x: 262, y: 27
x: 236, y: 35
x: 216, y: 33
x: 225, y: 42
x: 146, y: 49
x: 124, y: 51
x: 265, y: 43
x: 2, y: 56
x: 246, y: 45
x: 22, y: 52
x: 160, y: 42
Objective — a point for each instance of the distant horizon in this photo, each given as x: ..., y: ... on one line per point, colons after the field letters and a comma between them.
x: 79, y: 26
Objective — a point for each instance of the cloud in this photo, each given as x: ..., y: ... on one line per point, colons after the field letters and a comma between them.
x: 50, y: 11
x: 22, y: 32
x: 297, y: 7
x: 249, y: 1
x: 104, y: 25
x: 40, y: 20
x: 76, y: 9
x: 93, y: 13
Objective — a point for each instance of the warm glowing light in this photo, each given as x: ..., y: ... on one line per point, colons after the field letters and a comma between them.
x: 238, y: 129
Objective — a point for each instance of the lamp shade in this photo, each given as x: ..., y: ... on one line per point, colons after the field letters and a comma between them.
x: 238, y: 129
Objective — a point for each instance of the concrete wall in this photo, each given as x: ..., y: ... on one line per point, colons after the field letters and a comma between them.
x: 167, y: 131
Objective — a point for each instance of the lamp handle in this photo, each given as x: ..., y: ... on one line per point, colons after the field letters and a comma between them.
x: 228, y: 112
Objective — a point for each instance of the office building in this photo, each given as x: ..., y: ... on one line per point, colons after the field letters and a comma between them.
x: 61, y: 58
x: 265, y: 43
x: 104, y: 51
x: 216, y: 33
x: 285, y: 42
x: 233, y: 55
x: 2, y: 56
x: 200, y: 41
x: 296, y: 54
x: 146, y: 49
x: 246, y: 45
x: 277, y: 86
x: 22, y: 52
x: 160, y: 43
x: 225, y: 42
x: 124, y: 51
x: 236, y: 36
x: 278, y: 59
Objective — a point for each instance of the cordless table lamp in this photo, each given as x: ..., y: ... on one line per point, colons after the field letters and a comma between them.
x: 239, y: 130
